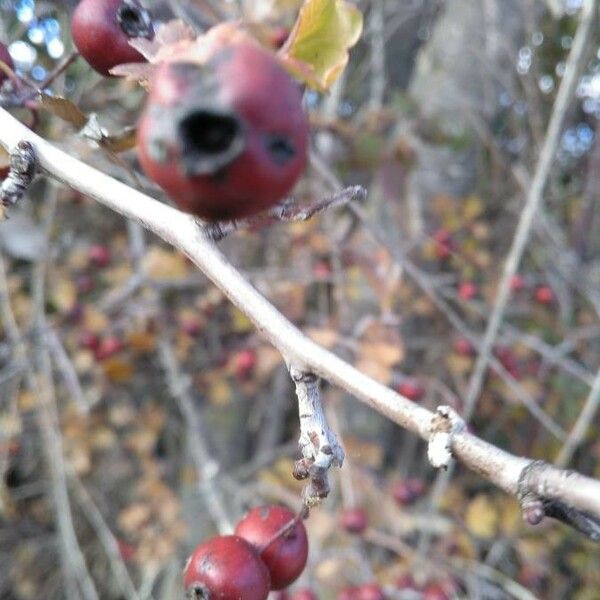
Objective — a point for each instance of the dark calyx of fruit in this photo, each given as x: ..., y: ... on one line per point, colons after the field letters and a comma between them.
x: 197, y: 592
x: 210, y: 140
x: 135, y: 20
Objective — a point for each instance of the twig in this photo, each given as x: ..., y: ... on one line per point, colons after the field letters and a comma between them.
x: 495, y: 465
x: 318, y: 443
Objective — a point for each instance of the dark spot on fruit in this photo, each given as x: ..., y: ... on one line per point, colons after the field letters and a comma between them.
x: 135, y: 21
x: 280, y: 149
x: 210, y: 140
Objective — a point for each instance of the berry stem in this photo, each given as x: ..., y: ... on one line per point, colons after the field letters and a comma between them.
x: 285, y: 529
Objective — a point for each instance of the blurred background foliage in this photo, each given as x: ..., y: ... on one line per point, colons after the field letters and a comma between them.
x: 440, y: 114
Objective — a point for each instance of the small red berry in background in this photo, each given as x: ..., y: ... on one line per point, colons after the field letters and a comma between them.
x: 406, y: 582
x: 407, y: 491
x: 348, y: 593
x: 435, y: 591
x: 109, y: 347
x: 245, y: 361
x: 463, y: 347
x: 101, y: 31
x: 227, y: 139
x: 411, y: 388
x: 304, y: 594
x: 517, y: 283
x: 226, y: 568
x: 544, y: 295
x: 354, y: 520
x: 84, y: 284
x: 99, y: 255
x: 443, y: 244
x: 370, y: 591
x: 89, y: 341
x: 467, y: 290
x: 190, y: 325
x: 278, y: 36
x: 285, y: 556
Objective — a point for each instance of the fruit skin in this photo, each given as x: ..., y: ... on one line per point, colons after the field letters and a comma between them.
x: 99, y: 255
x: 226, y: 568
x: 5, y: 58
x: 228, y: 139
x: 285, y: 557
x: 101, y: 31
x: 544, y: 295
x: 407, y: 491
x: 354, y: 520
x: 411, y: 388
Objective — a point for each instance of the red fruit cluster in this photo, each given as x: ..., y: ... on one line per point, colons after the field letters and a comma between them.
x: 411, y: 388
x: 226, y: 139
x: 267, y: 552
x: 101, y: 31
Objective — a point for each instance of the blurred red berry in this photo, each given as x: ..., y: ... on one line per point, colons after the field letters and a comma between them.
x: 463, y: 347
x: 370, y: 591
x: 444, y: 244
x: 89, y: 341
x: 411, y: 388
x: 467, y: 290
x: 84, y: 284
x: 99, y: 255
x: 517, y: 283
x: 406, y: 582
x: 6, y: 59
x: 354, y: 520
x: 348, y: 593
x: 435, y: 591
x: 304, y: 594
x: 278, y: 36
x: 190, y: 325
x: 245, y: 361
x: 109, y: 347
x: 544, y: 295
x: 407, y: 491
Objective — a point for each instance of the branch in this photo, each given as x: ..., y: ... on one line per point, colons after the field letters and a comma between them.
x: 182, y: 231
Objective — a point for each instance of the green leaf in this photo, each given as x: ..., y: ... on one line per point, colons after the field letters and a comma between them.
x: 317, y: 49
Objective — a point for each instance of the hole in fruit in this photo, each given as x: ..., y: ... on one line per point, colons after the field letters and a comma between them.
x: 280, y: 148
x: 135, y: 20
x: 210, y: 140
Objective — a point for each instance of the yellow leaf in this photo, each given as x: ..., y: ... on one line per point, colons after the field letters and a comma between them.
x: 317, y: 48
x: 482, y: 517
x: 164, y: 265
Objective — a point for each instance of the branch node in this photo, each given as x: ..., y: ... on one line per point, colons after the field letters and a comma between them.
x: 318, y: 443
x: 22, y: 170
x: 445, y: 423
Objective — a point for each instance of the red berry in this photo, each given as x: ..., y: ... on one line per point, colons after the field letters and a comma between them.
x: 443, y: 244
x: 245, y: 361
x: 6, y: 59
x: 101, y: 31
x: 408, y: 491
x: 227, y: 139
x: 463, y: 347
x: 517, y: 283
x: 109, y: 347
x: 412, y: 389
x: 304, y: 594
x: 467, y: 290
x: 89, y: 341
x: 406, y: 581
x: 435, y: 591
x: 226, y: 568
x: 348, y: 593
x: 370, y: 591
x: 354, y: 520
x: 544, y: 294
x: 286, y: 556
x: 99, y: 255
x: 190, y: 325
